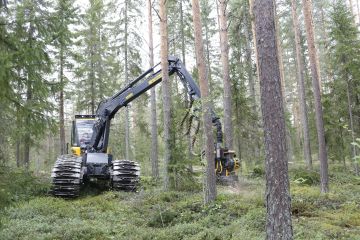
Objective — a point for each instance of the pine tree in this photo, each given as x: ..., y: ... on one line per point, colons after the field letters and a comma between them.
x: 97, y: 66
x: 278, y: 203
x: 344, y: 55
x: 301, y: 87
x: 317, y: 95
x: 224, y: 46
x: 210, y: 181
x: 66, y: 15
x: 154, y: 131
x: 166, y: 92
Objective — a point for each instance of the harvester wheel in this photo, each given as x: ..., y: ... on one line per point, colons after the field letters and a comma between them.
x: 125, y: 175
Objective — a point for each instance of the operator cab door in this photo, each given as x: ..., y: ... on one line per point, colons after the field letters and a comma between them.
x: 82, y: 129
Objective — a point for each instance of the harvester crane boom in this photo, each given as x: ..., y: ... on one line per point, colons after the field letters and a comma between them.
x: 109, y: 107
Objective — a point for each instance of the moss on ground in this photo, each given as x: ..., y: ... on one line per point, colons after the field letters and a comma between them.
x: 238, y: 213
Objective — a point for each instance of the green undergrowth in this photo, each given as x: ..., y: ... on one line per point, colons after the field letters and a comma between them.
x: 18, y: 185
x: 238, y: 213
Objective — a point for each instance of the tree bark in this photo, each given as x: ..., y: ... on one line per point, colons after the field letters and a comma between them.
x: 154, y: 131
x: 29, y: 96
x: 280, y: 56
x: 351, y: 120
x: 17, y: 154
x: 92, y: 62
x: 127, y: 113
x: 317, y: 95
x: 187, y: 100
x: 224, y: 46
x: 282, y: 77
x: 207, y: 46
x: 61, y: 103
x: 27, y: 137
x: 248, y: 32
x: 183, y: 50
x: 301, y: 88
x: 165, y: 91
x: 210, y: 180
x: 278, y: 201
x: 251, y: 8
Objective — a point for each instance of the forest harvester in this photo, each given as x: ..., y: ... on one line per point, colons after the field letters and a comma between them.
x: 90, y: 158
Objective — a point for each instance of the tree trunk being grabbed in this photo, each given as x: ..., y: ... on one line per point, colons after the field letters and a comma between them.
x: 187, y: 98
x: 154, y: 132
x: 210, y: 180
x: 278, y: 201
x: 301, y: 88
x: 224, y: 46
x: 324, y: 178
x: 165, y: 91
x: 61, y: 104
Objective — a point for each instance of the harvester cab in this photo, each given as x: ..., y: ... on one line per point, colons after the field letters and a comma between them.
x: 81, y: 132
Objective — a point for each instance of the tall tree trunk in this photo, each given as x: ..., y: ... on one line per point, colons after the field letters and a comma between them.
x: 127, y: 114
x: 92, y: 68
x: 61, y: 103
x: 183, y: 50
x: 353, y: 148
x: 165, y: 91
x: 224, y: 46
x: 278, y: 201
x: 92, y: 61
x: 252, y: 17
x: 27, y: 136
x: 249, y: 68
x: 210, y: 180
x: 280, y: 56
x: 207, y: 46
x: 282, y: 78
x: 187, y: 100
x: 324, y: 44
x: 317, y: 95
x: 17, y: 154
x: 29, y: 96
x: 154, y: 132
x: 301, y: 88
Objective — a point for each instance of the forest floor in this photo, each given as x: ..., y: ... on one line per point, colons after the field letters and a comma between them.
x: 238, y: 213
